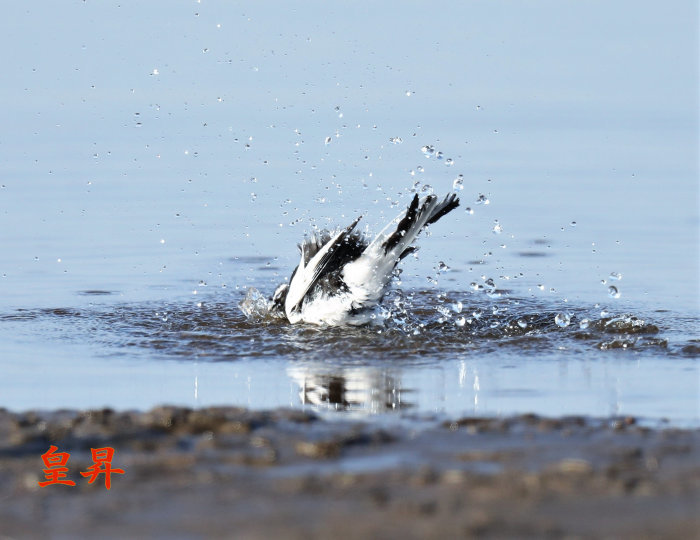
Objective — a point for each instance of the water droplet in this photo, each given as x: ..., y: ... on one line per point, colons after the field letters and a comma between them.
x: 438, y: 155
x: 395, y: 140
x: 419, y: 168
x: 584, y: 324
x: 409, y: 93
x: 540, y: 287
x: 328, y: 140
x: 522, y: 323
x: 457, y: 307
x: 572, y: 224
x: 615, y: 276
x: 442, y: 267
x: 482, y: 199
x: 562, y: 319
x: 469, y: 211
x: 458, y: 183
x: 444, y: 312
x: 449, y: 162
x: 613, y: 292
x: 497, y: 228
x: 253, y: 196
x: 461, y: 321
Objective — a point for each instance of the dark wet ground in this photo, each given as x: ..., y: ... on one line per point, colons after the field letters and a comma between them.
x: 232, y: 472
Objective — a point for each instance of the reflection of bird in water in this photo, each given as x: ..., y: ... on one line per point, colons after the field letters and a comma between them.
x: 363, y: 389
x: 342, y: 277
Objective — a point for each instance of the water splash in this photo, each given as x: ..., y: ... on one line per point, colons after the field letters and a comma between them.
x: 255, y: 305
x: 613, y: 292
x: 562, y: 319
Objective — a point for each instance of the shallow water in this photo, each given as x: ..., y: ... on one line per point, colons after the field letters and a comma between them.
x: 439, y: 352
x: 144, y: 188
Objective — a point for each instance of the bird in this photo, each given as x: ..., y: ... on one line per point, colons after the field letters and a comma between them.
x: 342, y: 276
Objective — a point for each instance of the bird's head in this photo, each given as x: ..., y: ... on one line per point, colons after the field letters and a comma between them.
x: 278, y: 299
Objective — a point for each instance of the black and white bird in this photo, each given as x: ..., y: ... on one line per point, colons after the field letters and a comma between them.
x: 342, y: 277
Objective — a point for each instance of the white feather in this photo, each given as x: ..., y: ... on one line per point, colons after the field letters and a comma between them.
x: 302, y: 279
x: 367, y: 277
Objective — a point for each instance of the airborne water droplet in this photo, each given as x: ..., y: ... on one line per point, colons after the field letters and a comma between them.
x: 613, y: 292
x: 482, y: 199
x: 616, y: 276
x: 458, y: 183
x: 460, y: 322
x: 562, y: 319
x: 329, y: 139
x: 428, y: 150
x: 584, y: 324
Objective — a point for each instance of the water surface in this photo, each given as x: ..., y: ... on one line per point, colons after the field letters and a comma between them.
x: 151, y: 176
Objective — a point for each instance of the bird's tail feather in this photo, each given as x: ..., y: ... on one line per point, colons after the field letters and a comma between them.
x: 418, y: 215
x: 372, y: 272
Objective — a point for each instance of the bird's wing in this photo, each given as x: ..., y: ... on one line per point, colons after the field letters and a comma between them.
x: 369, y: 275
x: 327, y: 259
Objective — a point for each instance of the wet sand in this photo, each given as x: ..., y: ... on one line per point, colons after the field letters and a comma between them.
x: 230, y: 472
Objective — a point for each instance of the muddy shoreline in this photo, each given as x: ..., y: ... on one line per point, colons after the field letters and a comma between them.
x: 223, y: 472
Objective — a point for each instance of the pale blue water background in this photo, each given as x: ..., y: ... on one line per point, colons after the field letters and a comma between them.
x: 151, y: 150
